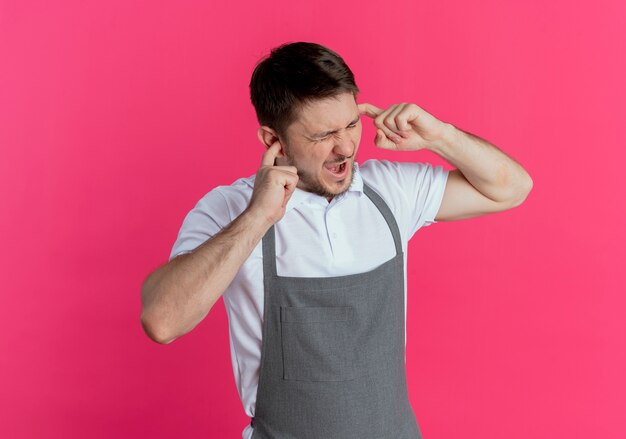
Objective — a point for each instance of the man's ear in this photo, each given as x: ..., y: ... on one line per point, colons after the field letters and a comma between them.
x: 267, y: 137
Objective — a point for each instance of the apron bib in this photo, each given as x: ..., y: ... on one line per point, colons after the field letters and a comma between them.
x: 332, y: 356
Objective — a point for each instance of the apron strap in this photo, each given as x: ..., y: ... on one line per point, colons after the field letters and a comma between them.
x: 386, y: 212
x: 269, y: 253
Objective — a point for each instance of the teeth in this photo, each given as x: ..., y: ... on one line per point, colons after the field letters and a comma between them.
x: 336, y: 168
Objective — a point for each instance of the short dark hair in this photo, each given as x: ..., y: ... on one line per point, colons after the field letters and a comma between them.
x: 293, y: 75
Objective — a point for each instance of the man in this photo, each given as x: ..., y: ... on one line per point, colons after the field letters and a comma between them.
x: 308, y: 254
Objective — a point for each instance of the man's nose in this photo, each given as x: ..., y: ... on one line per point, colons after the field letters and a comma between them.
x: 343, y: 146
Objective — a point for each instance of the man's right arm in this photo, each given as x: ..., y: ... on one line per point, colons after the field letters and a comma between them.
x: 179, y: 295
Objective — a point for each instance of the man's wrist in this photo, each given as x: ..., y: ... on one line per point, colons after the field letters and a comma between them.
x: 448, y: 138
x: 256, y: 219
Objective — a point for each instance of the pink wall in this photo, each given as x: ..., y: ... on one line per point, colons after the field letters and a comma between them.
x: 116, y: 117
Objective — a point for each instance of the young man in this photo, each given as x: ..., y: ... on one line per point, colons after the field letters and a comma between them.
x: 309, y: 253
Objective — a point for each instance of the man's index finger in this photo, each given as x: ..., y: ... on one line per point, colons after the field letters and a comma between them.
x: 270, y: 154
x: 369, y: 110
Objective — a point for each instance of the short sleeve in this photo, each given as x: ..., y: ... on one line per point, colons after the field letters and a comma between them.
x: 413, y: 190
x: 206, y: 219
x: 424, y: 186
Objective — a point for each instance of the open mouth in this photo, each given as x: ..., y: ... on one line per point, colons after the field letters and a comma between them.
x: 337, y: 169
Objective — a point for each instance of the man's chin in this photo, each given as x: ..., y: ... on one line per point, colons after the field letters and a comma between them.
x: 326, y: 187
x: 338, y: 187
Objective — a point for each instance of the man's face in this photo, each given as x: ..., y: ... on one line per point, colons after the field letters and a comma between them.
x: 325, y: 161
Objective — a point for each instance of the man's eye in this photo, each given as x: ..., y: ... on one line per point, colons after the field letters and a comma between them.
x: 328, y: 137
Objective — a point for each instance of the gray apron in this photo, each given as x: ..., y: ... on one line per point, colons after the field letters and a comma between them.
x: 332, y: 357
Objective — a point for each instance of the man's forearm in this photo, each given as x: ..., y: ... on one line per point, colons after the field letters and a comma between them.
x: 487, y: 168
x: 178, y: 295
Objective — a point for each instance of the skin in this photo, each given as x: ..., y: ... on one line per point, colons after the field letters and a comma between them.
x: 486, y: 179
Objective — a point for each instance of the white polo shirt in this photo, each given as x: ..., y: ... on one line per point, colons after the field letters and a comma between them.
x: 315, y: 238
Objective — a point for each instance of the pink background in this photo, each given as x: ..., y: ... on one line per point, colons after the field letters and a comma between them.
x: 117, y: 116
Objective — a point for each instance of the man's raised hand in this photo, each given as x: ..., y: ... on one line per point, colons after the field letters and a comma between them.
x: 404, y: 126
x: 273, y: 186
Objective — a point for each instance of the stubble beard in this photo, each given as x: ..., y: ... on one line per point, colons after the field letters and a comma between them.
x: 313, y: 184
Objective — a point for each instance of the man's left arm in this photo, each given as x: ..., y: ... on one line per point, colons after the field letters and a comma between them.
x: 486, y: 179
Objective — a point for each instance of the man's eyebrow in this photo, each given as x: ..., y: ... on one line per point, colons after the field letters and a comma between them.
x: 326, y: 133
